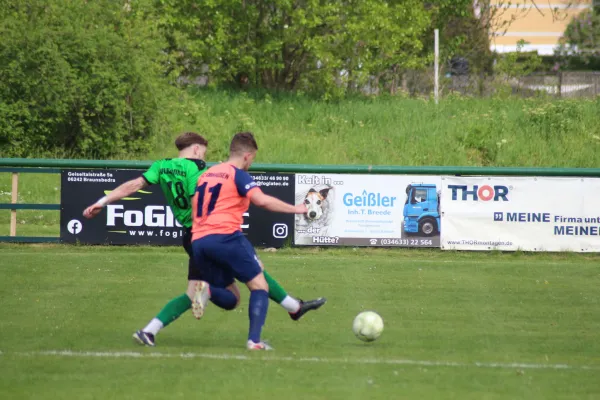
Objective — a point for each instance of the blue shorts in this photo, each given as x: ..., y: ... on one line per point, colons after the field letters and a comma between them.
x: 222, y: 258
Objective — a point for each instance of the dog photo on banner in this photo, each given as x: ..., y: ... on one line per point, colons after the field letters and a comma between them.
x: 320, y: 202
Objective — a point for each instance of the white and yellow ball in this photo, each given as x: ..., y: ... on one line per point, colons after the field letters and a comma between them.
x: 367, y: 326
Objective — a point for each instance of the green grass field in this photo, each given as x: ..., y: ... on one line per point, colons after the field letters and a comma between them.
x: 458, y: 326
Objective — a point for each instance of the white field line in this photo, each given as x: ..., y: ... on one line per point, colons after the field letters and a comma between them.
x: 273, y: 358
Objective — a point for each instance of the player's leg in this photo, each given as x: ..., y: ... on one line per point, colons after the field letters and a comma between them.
x: 246, y: 268
x: 257, y: 311
x: 198, y: 293
x: 201, y: 292
x: 172, y: 310
x: 207, y: 281
x: 233, y: 288
x: 180, y: 304
x: 278, y: 294
x: 237, y: 255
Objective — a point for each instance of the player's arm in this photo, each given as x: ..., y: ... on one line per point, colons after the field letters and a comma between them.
x: 247, y: 187
x: 121, y: 191
x: 150, y: 177
x: 260, y: 199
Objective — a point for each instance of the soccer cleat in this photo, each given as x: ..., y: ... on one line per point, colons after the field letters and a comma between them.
x: 144, y: 338
x: 306, y: 306
x: 200, y: 300
x: 258, y: 346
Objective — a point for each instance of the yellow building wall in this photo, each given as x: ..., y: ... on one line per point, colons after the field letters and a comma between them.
x: 541, y: 28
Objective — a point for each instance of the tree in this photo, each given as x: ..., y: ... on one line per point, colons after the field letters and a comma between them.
x: 582, y: 37
x: 78, y: 78
x: 316, y: 45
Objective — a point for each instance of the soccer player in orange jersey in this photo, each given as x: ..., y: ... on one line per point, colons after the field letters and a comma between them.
x: 220, y: 250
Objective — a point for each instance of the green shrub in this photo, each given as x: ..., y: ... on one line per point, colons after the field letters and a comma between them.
x: 79, y: 78
x: 558, y: 119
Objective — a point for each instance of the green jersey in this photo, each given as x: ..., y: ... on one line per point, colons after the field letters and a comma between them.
x: 177, y: 178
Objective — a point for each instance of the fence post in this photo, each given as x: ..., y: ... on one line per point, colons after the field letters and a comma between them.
x: 560, y: 80
x: 14, y: 199
x: 436, y: 87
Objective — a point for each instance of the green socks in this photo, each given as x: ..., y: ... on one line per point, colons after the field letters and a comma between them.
x: 181, y: 304
x: 174, y: 309
x: 278, y: 295
x: 276, y: 292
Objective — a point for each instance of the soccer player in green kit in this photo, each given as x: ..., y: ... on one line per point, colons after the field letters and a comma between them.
x: 177, y: 178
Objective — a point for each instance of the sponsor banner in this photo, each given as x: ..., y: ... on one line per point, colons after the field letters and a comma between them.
x: 145, y: 218
x: 368, y: 210
x: 142, y: 218
x: 514, y: 213
x: 265, y: 228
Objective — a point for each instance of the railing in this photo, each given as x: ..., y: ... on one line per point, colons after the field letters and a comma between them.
x: 15, y: 166
x: 13, y: 206
x: 18, y: 164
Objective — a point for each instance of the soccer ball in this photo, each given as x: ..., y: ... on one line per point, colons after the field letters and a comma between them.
x: 367, y: 326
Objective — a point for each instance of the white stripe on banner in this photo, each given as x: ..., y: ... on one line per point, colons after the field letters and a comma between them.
x: 324, y: 360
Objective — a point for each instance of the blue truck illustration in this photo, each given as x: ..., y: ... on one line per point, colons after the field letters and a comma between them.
x: 422, y: 210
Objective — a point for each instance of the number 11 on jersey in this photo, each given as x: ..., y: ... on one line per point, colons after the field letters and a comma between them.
x: 214, y: 196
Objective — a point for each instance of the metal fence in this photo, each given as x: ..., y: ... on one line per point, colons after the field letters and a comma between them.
x: 582, y: 84
x: 559, y: 85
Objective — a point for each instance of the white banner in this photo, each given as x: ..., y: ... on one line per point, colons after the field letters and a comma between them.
x: 368, y: 210
x: 514, y: 213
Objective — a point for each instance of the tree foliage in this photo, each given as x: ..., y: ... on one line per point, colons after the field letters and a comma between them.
x: 582, y: 37
x: 91, y: 78
x: 295, y: 44
x: 78, y: 78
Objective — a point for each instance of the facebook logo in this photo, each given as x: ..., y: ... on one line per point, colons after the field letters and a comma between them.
x: 498, y: 216
x: 74, y: 226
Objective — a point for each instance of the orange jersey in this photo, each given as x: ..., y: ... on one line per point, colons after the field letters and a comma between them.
x: 222, y: 197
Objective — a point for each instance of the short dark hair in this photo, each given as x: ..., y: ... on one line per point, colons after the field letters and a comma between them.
x: 187, y: 139
x: 243, y: 142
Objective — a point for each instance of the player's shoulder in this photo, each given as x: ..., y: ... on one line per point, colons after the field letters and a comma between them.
x: 194, y: 164
x: 189, y: 165
x: 241, y: 174
x: 221, y: 170
x: 243, y: 181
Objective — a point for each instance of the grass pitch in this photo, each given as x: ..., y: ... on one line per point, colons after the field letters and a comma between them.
x: 458, y: 325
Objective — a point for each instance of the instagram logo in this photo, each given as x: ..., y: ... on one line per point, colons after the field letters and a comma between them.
x: 280, y: 231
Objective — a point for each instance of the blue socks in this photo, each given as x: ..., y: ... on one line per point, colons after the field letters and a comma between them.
x: 222, y: 298
x: 257, y: 311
